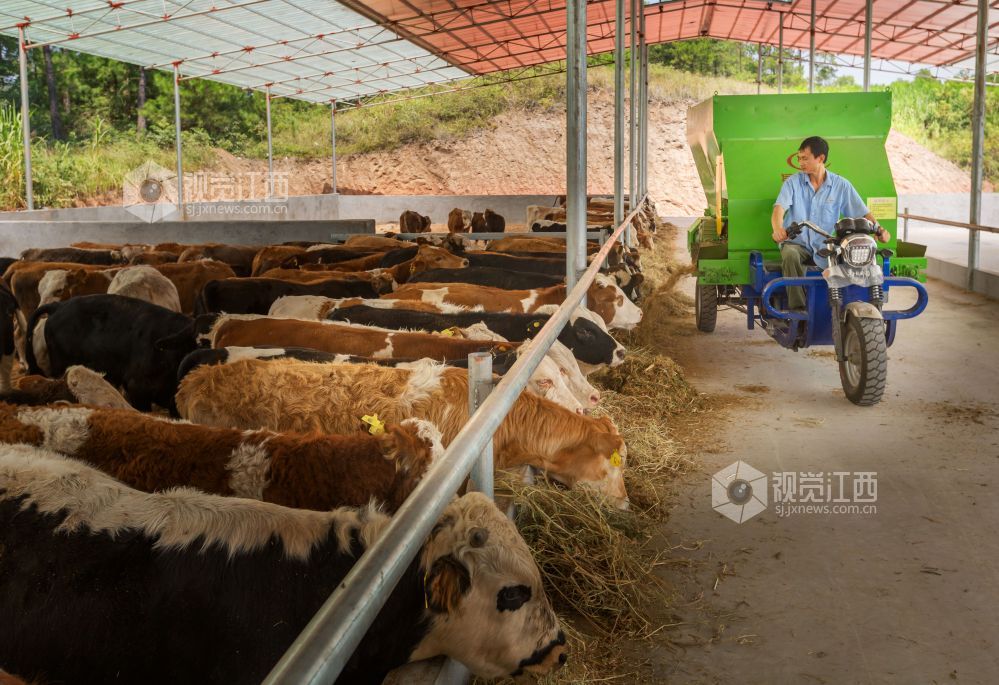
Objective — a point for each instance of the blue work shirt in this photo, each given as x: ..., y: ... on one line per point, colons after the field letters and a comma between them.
x: 835, y: 198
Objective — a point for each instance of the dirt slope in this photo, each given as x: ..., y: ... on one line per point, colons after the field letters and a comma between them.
x: 524, y: 153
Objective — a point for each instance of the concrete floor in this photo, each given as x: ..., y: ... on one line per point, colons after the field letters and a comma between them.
x: 909, y: 594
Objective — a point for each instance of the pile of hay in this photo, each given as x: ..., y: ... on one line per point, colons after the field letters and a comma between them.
x: 596, y: 560
x: 641, y: 396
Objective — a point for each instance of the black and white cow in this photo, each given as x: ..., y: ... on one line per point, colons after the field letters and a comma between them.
x: 488, y: 276
x: 590, y: 343
x: 112, y: 585
x: 135, y: 344
x: 255, y: 295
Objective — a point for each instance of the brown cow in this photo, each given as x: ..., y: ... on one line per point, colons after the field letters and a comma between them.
x: 239, y: 257
x: 459, y: 221
x: 305, y: 471
x: 251, y: 330
x: 272, y: 256
x: 375, y: 242
x: 153, y: 258
x: 603, y: 296
x: 479, y: 223
x: 78, y: 384
x: 413, y: 222
x: 190, y: 277
x: 80, y: 279
x: 300, y: 396
x: 495, y: 223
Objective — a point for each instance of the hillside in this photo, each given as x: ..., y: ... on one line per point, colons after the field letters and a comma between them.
x: 523, y: 151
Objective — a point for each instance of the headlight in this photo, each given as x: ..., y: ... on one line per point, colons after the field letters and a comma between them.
x: 859, y: 250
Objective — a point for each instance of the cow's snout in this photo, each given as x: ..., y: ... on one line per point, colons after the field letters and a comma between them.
x: 464, y: 262
x: 619, y: 354
x: 594, y: 399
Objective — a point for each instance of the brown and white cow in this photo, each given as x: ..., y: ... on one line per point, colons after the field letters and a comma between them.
x: 251, y: 330
x: 310, y: 471
x: 603, y: 297
x: 375, y: 242
x: 209, y: 589
x: 272, y: 256
x: 190, y: 277
x: 459, y: 221
x: 292, y: 395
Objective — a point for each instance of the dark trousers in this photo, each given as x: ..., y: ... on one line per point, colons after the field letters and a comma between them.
x: 793, y: 257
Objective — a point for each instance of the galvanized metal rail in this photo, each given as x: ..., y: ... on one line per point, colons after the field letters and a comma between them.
x: 600, y: 235
x: 323, y: 648
x: 943, y: 222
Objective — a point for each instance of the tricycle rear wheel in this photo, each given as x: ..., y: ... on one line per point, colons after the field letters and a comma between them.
x: 864, y: 374
x: 706, y: 307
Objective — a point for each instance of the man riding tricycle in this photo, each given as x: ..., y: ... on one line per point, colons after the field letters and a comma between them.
x: 817, y: 274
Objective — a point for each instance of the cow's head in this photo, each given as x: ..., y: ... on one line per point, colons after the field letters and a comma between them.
x: 485, y: 602
x: 590, y: 341
x: 413, y: 444
x: 430, y: 257
x: 549, y: 382
x: 572, y: 375
x: 613, y: 306
x: 597, y: 461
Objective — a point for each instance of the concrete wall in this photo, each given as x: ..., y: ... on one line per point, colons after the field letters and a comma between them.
x: 17, y: 236
x: 381, y: 208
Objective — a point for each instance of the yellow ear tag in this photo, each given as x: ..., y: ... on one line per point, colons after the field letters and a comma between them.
x: 378, y: 427
x: 615, y: 459
x: 449, y: 332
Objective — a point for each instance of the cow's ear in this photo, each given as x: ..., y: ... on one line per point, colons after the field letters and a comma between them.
x: 397, y: 445
x: 181, y: 340
x: 445, y: 584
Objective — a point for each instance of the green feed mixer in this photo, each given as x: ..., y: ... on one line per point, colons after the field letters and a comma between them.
x: 745, y: 147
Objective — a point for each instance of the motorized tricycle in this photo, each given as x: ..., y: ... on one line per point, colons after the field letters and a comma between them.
x: 740, y: 144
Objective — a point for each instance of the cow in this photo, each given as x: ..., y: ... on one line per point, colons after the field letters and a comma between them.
x: 546, y: 226
x: 582, y: 316
x: 603, y: 297
x: 191, y: 277
x: 137, y: 345
x: 62, y: 284
x: 328, y: 256
x: 299, y: 396
x: 316, y: 307
x: 375, y: 242
x: 502, y: 361
x: 78, y: 384
x: 422, y: 258
x: 153, y: 258
x: 459, y: 221
x: 573, y: 376
x: 238, y: 257
x: 24, y: 279
x: 187, y: 587
x: 8, y: 314
x: 255, y: 295
x: 147, y: 284
x: 272, y: 257
x: 488, y: 276
x: 479, y: 223
x: 73, y: 255
x: 413, y: 222
x: 495, y: 223
x: 500, y: 260
x: 364, y: 341
x: 311, y: 471
x: 587, y: 340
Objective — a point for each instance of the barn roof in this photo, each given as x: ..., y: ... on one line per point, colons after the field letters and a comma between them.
x: 324, y: 50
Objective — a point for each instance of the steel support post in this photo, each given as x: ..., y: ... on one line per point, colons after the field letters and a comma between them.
x: 619, y: 113
x: 759, y: 68
x: 575, y: 261
x: 811, y: 51
x: 333, y: 142
x: 632, y: 114
x: 977, y: 139
x: 780, y: 55
x: 22, y: 57
x: 643, y: 108
x: 180, y: 149
x: 480, y: 384
x: 270, y: 149
x: 868, y: 29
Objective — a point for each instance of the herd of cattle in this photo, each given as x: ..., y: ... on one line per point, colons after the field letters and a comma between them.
x: 315, y: 385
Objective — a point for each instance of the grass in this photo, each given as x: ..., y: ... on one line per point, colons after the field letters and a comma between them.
x: 64, y: 173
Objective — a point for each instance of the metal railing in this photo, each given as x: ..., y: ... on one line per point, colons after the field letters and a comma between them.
x: 905, y: 216
x: 323, y: 648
